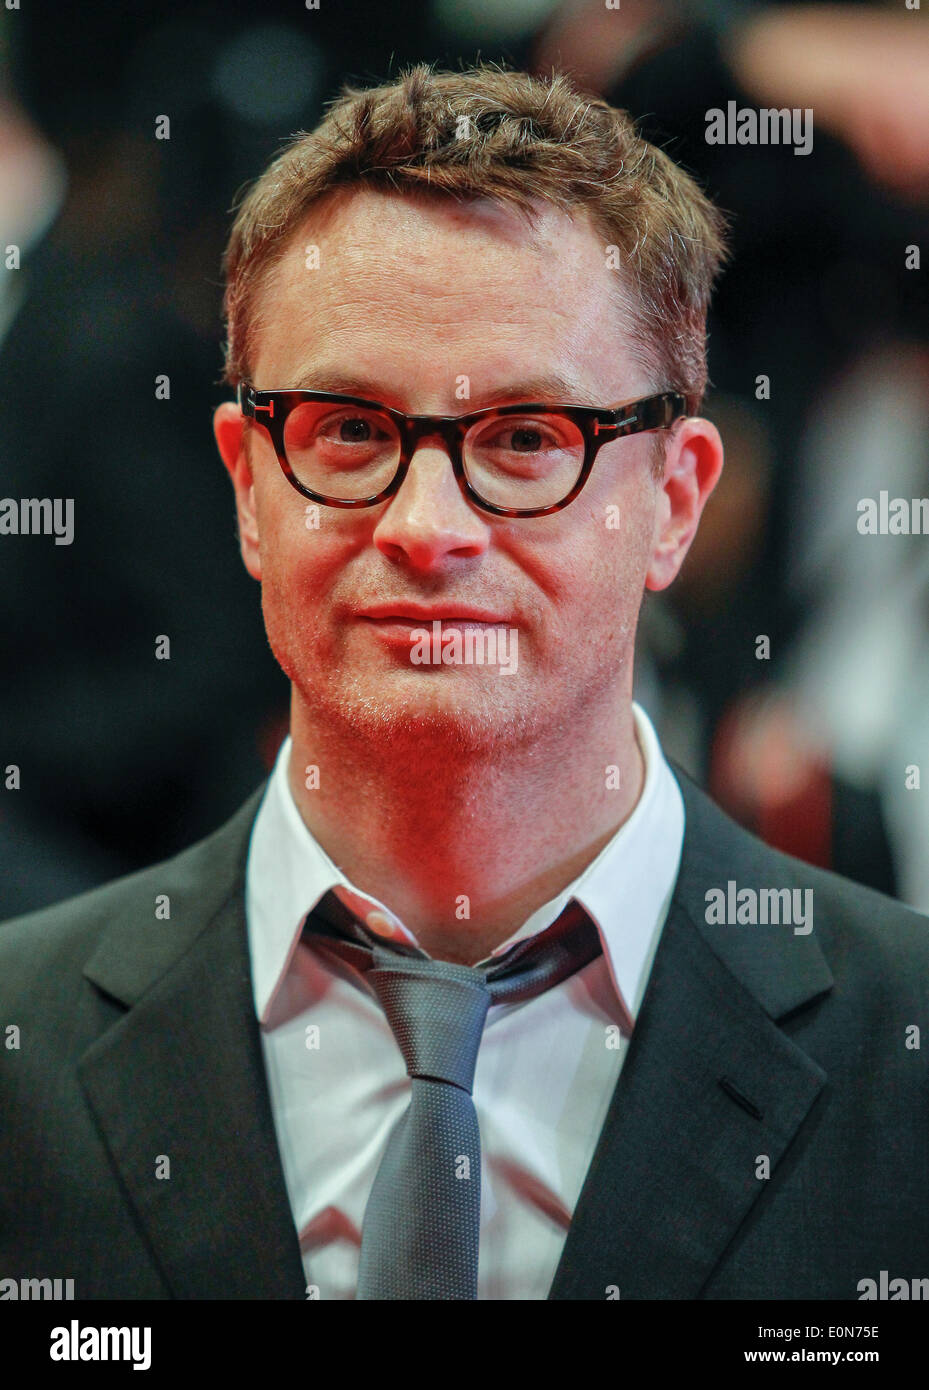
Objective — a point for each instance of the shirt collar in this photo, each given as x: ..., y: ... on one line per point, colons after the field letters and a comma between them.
x: 626, y: 890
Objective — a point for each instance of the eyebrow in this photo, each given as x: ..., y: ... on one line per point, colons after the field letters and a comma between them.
x: 552, y: 387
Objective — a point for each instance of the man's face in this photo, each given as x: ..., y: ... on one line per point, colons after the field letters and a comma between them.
x: 409, y: 299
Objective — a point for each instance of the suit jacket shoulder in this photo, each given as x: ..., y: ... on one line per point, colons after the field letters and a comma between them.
x: 197, y: 881
x: 137, y: 1142
x: 863, y: 935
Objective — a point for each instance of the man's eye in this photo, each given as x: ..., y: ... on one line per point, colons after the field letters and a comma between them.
x: 351, y: 429
x: 523, y: 440
x: 522, y: 437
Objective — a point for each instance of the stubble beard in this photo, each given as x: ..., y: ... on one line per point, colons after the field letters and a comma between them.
x: 419, y: 728
x: 430, y: 728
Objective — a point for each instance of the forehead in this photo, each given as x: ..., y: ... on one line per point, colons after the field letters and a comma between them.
x: 389, y: 284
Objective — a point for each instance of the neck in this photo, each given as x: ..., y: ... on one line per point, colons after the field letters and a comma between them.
x: 464, y: 848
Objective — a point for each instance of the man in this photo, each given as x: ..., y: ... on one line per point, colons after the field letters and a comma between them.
x: 476, y: 998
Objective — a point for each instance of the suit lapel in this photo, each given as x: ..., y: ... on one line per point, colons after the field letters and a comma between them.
x: 709, y: 1085
x: 180, y: 1077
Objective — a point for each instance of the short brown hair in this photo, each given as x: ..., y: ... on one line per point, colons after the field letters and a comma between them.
x: 490, y: 132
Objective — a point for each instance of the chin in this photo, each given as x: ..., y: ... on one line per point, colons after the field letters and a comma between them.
x: 425, y: 711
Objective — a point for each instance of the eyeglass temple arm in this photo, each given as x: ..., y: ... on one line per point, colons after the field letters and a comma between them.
x: 245, y: 399
x: 654, y: 413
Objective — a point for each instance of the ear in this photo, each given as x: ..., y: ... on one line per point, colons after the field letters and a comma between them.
x: 229, y: 430
x: 693, y: 463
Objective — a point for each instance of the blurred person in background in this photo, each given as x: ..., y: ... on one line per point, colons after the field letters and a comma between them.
x: 822, y: 280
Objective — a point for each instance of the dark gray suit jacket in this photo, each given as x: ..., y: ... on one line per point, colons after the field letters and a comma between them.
x: 138, y: 1038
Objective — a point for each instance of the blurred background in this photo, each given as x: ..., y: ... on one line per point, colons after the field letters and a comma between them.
x: 820, y: 746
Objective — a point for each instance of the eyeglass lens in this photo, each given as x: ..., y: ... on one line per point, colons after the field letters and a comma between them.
x: 350, y: 452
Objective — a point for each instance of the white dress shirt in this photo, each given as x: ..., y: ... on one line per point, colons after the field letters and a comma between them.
x: 546, y: 1068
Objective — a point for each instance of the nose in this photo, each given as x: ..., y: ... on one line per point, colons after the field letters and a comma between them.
x: 429, y: 518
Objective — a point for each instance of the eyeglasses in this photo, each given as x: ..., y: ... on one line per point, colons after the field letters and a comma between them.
x: 511, y: 460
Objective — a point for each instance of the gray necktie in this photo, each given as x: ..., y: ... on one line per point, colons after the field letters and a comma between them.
x: 421, y: 1226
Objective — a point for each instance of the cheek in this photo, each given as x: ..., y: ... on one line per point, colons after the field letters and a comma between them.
x: 606, y: 556
x: 304, y: 561
x: 629, y: 532
x: 293, y: 578
x: 290, y: 546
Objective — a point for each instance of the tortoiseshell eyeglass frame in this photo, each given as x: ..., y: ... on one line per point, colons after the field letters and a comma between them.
x: 598, y: 427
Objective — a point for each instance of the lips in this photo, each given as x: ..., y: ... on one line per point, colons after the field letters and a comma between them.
x: 415, y: 615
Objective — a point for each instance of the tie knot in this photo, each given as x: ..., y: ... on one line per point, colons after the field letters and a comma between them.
x: 436, y: 1010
